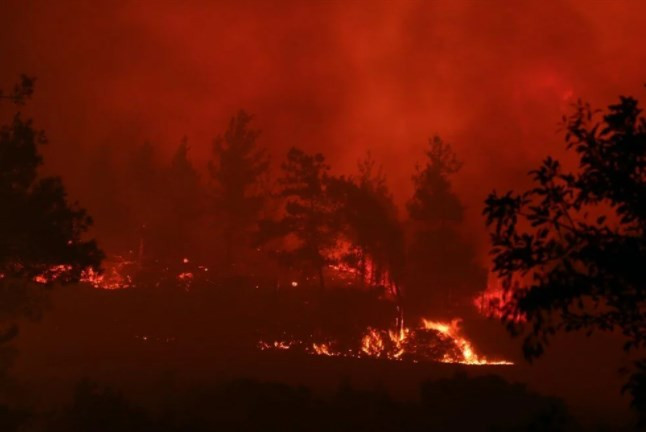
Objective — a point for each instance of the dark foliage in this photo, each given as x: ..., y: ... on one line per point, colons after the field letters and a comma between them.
x: 571, y: 248
x: 21, y: 91
x: 39, y: 228
x: 184, y: 205
x: 433, y: 201
x: 310, y: 218
x: 238, y: 170
x: 368, y: 218
x: 41, y: 232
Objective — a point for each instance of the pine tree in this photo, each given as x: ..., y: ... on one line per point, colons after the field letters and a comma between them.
x: 309, y: 214
x: 237, y: 171
x: 442, y: 269
x: 184, y: 204
x: 369, y: 219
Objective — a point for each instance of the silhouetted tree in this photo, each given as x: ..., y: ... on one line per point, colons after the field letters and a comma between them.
x: 369, y: 218
x: 21, y: 91
x: 310, y: 217
x: 237, y: 169
x: 184, y: 201
x: 441, y: 263
x: 571, y: 248
x: 103, y: 193
x: 145, y: 189
x: 40, y: 230
x: 434, y: 203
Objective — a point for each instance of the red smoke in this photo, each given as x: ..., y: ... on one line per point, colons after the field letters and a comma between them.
x: 339, y: 77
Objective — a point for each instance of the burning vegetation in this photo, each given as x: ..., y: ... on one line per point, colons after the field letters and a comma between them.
x: 432, y: 341
x: 311, y: 231
x: 325, y: 264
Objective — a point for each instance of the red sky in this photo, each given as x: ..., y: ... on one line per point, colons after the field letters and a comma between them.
x: 491, y: 77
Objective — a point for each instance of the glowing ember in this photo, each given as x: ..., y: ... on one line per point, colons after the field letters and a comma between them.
x: 279, y: 345
x: 185, y: 279
x: 185, y: 276
x: 114, y: 276
x: 322, y: 349
x: 52, y: 274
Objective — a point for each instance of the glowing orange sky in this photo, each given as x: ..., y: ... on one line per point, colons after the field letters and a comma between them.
x: 340, y: 77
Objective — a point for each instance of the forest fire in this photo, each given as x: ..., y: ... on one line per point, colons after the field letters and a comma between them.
x: 113, y: 277
x: 319, y: 215
x: 432, y: 341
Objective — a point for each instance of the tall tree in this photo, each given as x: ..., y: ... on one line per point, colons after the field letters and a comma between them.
x: 309, y: 214
x: 570, y: 248
x: 369, y: 219
x: 237, y: 169
x: 41, y: 232
x: 442, y: 269
x: 434, y: 203
x: 184, y: 202
x: 103, y: 195
x: 145, y: 193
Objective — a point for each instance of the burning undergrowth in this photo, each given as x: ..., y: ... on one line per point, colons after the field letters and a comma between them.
x: 431, y: 341
x: 368, y: 337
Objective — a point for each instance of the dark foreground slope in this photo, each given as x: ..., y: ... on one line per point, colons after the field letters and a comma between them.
x: 193, y: 365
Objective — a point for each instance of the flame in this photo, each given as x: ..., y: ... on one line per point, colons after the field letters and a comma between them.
x: 118, y: 274
x: 496, y: 301
x: 52, y: 274
x: 322, y: 349
x: 114, y: 277
x: 452, y: 331
x: 279, y: 345
x: 372, y: 343
x: 401, y: 344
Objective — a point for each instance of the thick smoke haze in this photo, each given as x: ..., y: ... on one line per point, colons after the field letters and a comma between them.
x: 492, y: 78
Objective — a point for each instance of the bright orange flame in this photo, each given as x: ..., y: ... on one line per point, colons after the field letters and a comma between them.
x: 372, y: 343
x: 396, y: 344
x: 452, y: 331
x: 322, y: 349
